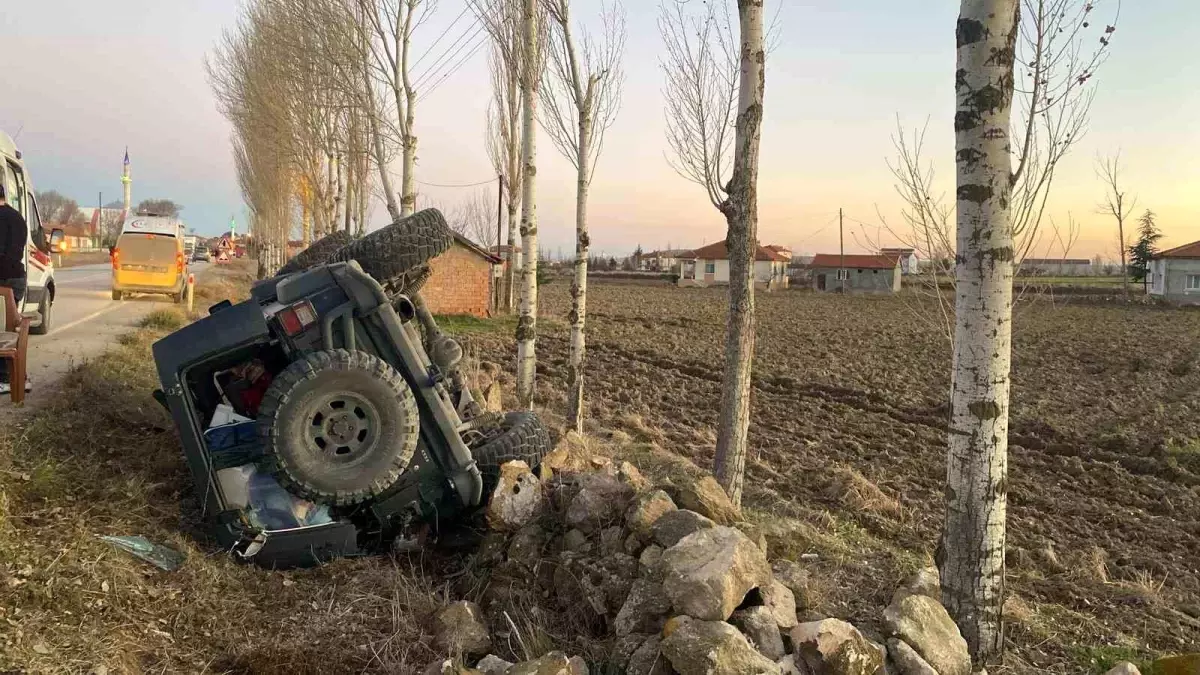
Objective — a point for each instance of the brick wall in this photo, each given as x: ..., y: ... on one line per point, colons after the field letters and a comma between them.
x: 460, y: 283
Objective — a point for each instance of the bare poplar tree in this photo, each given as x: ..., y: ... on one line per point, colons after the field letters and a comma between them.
x: 971, y: 553
x: 1119, y: 205
x: 1057, y: 57
x: 504, y: 117
x: 580, y: 99
x: 703, y: 89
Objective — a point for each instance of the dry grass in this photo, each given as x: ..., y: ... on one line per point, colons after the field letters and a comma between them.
x: 103, y: 459
x: 851, y: 489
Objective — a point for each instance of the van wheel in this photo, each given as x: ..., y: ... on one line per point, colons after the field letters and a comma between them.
x: 177, y: 298
x: 338, y: 427
x: 521, y: 435
x: 43, y: 309
x: 116, y: 295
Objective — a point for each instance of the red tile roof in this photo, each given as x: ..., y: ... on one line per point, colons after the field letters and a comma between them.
x: 1191, y: 250
x: 871, y: 262
x: 719, y: 251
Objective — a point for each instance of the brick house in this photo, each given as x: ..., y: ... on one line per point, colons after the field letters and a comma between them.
x: 462, y: 280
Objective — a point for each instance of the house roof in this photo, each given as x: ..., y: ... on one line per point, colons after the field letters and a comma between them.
x: 1191, y: 250
x: 902, y: 251
x: 719, y: 251
x: 871, y: 262
x: 668, y: 253
x: 477, y: 249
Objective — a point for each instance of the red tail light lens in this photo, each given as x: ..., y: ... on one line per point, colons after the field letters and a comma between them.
x: 179, y: 263
x: 116, y: 256
x: 297, y: 317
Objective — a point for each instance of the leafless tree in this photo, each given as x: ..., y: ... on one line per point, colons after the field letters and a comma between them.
x: 715, y: 87
x: 504, y: 118
x: 1056, y: 61
x: 474, y: 217
x: 55, y: 207
x: 581, y: 95
x: 1118, y: 204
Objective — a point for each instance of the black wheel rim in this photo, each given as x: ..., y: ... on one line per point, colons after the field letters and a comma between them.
x: 342, y: 427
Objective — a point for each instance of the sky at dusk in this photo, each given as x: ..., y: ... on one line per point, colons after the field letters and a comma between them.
x: 94, y: 77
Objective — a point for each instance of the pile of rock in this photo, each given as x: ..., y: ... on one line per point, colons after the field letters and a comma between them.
x: 671, y: 580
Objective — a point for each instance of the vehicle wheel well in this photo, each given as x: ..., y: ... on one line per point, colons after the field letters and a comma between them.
x: 50, y: 289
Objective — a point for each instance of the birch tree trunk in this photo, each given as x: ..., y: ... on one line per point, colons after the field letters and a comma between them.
x: 971, y: 553
x: 578, y: 315
x: 510, y: 273
x: 408, y: 176
x: 339, y: 194
x: 741, y: 214
x: 527, y: 322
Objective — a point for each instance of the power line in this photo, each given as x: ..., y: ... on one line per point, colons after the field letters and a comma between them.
x: 445, y: 32
x: 455, y: 185
x: 458, y: 66
x: 451, y: 53
x: 437, y: 77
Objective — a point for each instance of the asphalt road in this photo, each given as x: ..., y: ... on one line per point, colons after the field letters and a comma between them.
x: 84, y: 322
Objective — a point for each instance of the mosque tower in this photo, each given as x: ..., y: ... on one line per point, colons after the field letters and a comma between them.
x: 127, y: 184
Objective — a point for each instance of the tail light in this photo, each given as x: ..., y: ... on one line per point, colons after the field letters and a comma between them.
x: 296, y: 318
x: 116, y: 256
x: 179, y: 263
x: 41, y: 257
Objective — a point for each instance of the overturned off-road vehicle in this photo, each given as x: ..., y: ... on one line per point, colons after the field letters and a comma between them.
x: 327, y: 415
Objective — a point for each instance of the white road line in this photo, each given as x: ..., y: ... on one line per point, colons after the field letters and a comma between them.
x: 85, y: 319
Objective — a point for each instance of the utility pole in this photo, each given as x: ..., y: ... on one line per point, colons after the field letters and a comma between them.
x: 842, y: 248
x: 99, y: 235
x: 497, y: 281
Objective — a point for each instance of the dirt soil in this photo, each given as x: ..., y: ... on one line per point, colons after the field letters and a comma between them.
x: 1104, y: 503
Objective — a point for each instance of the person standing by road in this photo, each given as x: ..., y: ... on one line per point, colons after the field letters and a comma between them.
x: 13, y: 235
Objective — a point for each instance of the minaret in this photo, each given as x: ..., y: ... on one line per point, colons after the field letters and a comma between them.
x: 127, y: 184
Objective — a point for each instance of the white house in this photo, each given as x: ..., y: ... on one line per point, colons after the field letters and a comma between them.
x: 909, y: 264
x: 663, y: 261
x: 709, y: 266
x: 1175, y: 274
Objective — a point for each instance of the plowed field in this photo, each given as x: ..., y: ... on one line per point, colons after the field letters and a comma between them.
x: 1104, y: 537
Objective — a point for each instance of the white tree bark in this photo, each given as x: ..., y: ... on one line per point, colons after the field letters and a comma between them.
x: 971, y: 553
x: 527, y: 322
x: 339, y: 193
x: 741, y: 214
x: 578, y: 315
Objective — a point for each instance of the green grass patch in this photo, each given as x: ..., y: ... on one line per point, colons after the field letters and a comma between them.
x: 463, y: 324
x: 166, y: 320
x: 1101, y: 659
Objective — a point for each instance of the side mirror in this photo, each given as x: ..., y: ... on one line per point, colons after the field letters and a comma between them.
x: 56, y: 238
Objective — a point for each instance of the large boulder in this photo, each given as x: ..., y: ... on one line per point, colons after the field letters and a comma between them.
x: 709, y: 572
x: 758, y: 624
x: 600, y: 502
x: 648, y: 659
x: 554, y: 663
x: 698, y: 647
x: 708, y: 498
x: 646, y: 510
x: 527, y: 545
x: 570, y: 456
x: 834, y: 647
x: 1126, y: 668
x: 460, y: 628
x: 926, y: 626
x: 796, y: 579
x: 631, y: 476
x: 675, y: 525
x: 1184, y: 664
x: 780, y: 601
x: 926, y: 581
x: 645, y: 609
x: 907, y: 660
x: 601, y: 586
x: 517, y: 500
x: 493, y: 665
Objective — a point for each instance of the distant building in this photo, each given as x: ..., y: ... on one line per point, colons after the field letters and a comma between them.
x: 1055, y: 267
x: 909, y: 264
x: 663, y: 261
x: 462, y: 279
x: 861, y: 273
x: 1175, y: 274
x: 709, y: 266
x: 784, y: 252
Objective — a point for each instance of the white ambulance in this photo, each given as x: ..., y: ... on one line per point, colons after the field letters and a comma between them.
x: 39, y: 292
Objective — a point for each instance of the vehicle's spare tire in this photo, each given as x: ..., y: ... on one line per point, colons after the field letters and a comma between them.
x: 521, y: 436
x: 317, y: 253
x: 388, y: 253
x: 338, y: 427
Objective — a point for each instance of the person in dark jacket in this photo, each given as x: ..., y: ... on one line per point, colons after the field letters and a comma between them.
x: 14, y: 233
